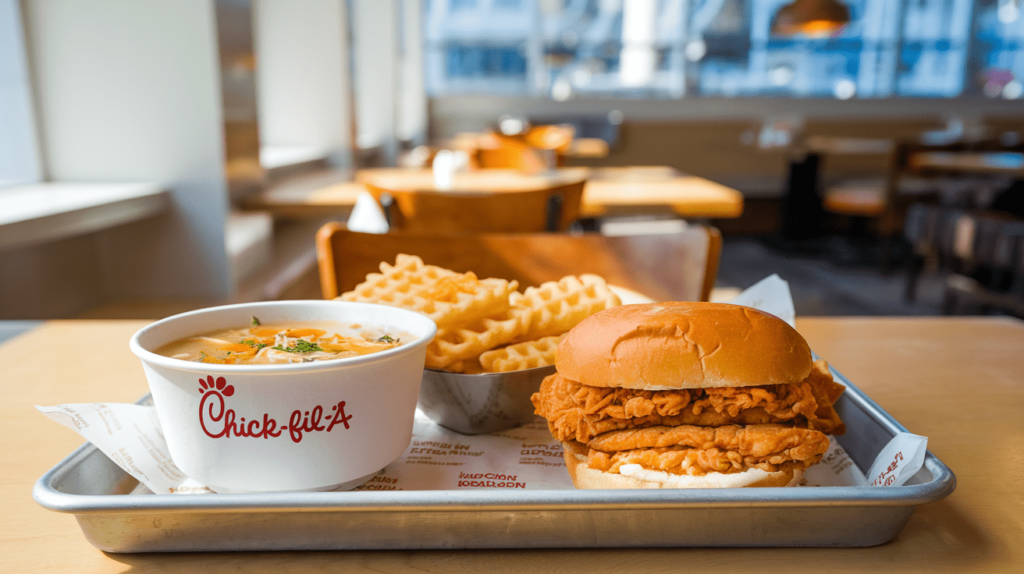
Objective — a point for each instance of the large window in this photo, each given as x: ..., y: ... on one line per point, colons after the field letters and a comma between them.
x: 724, y: 48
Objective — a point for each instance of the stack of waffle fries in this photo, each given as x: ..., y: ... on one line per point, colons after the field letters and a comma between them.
x: 485, y: 325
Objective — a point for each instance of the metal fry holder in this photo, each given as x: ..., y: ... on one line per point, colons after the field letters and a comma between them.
x: 480, y: 404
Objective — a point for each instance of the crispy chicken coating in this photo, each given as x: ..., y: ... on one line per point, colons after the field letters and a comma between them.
x: 696, y: 451
x: 579, y: 412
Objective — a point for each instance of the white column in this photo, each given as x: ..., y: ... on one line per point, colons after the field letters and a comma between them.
x: 303, y: 76
x: 375, y: 41
x: 19, y: 151
x: 638, y: 59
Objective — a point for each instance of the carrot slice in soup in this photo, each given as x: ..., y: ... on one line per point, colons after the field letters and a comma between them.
x: 315, y: 333
x: 238, y: 348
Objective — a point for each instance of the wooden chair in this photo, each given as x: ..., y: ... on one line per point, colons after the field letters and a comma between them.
x: 514, y: 153
x: 880, y: 205
x: 673, y: 266
x: 980, y: 252
x: 993, y: 276
x: 540, y: 147
x: 557, y: 137
x: 552, y: 208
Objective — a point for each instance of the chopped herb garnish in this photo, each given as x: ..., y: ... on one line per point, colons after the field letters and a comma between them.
x: 386, y: 339
x: 300, y: 346
x: 254, y: 343
x: 255, y: 321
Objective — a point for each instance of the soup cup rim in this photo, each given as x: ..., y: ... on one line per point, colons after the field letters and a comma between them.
x: 153, y: 358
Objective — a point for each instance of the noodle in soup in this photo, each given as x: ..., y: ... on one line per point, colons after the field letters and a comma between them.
x: 303, y: 342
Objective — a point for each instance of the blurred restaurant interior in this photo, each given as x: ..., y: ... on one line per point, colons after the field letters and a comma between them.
x: 160, y: 156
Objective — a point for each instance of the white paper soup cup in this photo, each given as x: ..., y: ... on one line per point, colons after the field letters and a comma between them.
x: 298, y: 426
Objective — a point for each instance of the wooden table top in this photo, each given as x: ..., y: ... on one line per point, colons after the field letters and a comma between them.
x: 958, y: 381
x: 838, y: 145
x: 609, y: 191
x: 612, y: 190
x: 481, y: 180
x: 978, y: 162
x: 578, y: 148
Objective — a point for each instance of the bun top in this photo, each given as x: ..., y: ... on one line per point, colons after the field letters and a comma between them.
x: 676, y: 345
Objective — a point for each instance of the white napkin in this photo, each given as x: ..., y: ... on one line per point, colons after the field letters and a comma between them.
x: 446, y: 164
x: 770, y: 295
x: 444, y: 170
x: 898, y: 461
x: 367, y: 216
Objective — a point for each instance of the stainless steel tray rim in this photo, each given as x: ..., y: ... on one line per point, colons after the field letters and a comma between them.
x: 941, y: 484
x: 47, y: 495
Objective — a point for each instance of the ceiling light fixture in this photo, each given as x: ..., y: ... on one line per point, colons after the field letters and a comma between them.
x: 814, y: 18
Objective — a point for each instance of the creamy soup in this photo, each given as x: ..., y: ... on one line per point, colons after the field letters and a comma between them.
x: 278, y: 343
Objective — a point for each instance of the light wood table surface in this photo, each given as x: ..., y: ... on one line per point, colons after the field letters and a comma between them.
x: 958, y: 381
x: 837, y: 145
x: 976, y: 162
x: 642, y: 189
x: 578, y: 148
x: 475, y: 181
x: 609, y: 191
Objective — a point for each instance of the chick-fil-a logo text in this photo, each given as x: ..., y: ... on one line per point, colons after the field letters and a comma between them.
x: 218, y: 421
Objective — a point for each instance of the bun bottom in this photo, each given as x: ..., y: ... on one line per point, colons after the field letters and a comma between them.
x: 584, y: 477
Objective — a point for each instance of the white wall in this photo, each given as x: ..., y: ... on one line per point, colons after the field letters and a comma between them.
x: 303, y: 76
x: 129, y: 91
x: 19, y: 159
x: 375, y: 40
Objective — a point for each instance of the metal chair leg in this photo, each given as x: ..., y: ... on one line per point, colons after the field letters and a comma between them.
x: 949, y: 303
x: 387, y: 203
x: 914, y: 267
x: 553, y: 216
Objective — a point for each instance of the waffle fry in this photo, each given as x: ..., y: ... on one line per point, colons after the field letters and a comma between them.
x: 557, y: 306
x: 478, y: 319
x: 470, y: 340
x: 527, y: 355
x: 445, y: 296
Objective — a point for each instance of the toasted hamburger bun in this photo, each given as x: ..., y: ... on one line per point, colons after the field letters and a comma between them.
x: 683, y: 345
x: 584, y: 477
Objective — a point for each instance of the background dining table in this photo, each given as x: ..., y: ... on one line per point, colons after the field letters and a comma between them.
x: 974, y: 162
x: 608, y: 191
x: 957, y: 380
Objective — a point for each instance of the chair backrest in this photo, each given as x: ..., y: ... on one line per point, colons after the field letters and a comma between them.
x: 965, y: 241
x: 538, y: 148
x: 556, y: 137
x: 675, y: 266
x: 511, y: 153
x: 528, y: 211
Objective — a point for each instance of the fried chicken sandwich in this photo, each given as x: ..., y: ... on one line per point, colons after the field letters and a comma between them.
x: 688, y: 395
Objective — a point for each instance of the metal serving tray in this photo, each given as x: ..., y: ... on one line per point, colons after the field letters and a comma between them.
x: 90, y: 486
